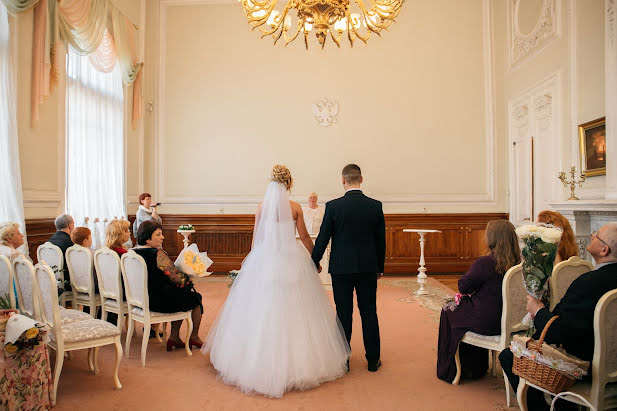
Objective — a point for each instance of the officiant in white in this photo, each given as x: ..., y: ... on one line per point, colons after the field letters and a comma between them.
x: 313, y: 214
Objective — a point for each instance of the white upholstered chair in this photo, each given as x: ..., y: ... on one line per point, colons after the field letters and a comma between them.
x: 26, y: 287
x: 80, y: 263
x: 6, y: 280
x: 563, y: 274
x: 514, y: 309
x: 601, y: 392
x: 135, y: 276
x: 88, y: 334
x: 109, y: 276
x: 51, y: 255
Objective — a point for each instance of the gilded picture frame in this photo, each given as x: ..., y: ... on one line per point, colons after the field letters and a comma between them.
x: 592, y: 136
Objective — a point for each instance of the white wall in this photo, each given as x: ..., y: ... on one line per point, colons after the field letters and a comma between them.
x: 415, y: 110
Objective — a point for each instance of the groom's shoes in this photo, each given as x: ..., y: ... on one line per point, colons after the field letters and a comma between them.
x: 373, y: 367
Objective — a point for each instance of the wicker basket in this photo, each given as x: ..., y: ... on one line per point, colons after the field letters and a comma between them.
x: 542, y: 375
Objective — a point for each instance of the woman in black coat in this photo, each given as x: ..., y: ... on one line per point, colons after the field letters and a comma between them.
x: 169, y: 290
x: 480, y: 308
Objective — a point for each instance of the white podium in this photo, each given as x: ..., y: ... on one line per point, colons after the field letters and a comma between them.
x: 421, y: 269
x: 324, y: 275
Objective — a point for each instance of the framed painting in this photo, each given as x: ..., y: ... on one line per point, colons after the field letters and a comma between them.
x: 592, y: 137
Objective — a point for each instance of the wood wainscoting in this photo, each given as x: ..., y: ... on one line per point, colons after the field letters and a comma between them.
x: 227, y: 239
x: 38, y: 230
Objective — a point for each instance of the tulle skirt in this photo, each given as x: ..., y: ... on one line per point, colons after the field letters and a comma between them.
x: 277, y: 331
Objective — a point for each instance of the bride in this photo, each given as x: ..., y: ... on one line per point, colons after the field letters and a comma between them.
x: 277, y: 331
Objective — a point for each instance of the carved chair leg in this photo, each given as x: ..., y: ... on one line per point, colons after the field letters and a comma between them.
x: 117, y: 364
x: 457, y: 360
x: 189, y: 330
x: 521, y: 394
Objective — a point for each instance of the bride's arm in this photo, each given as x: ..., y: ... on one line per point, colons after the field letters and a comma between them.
x: 302, y: 231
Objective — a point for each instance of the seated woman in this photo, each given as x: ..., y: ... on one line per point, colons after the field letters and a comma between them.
x: 169, y: 290
x: 117, y: 234
x: 10, y: 240
x: 82, y: 236
x: 567, y: 245
x: 480, y: 312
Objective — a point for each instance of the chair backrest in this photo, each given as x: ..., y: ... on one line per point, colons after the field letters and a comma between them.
x: 51, y: 254
x: 79, y: 262
x: 563, y: 274
x: 107, y: 264
x: 26, y: 287
x: 47, y: 289
x: 514, y: 304
x: 604, y: 363
x: 135, y: 276
x: 6, y: 280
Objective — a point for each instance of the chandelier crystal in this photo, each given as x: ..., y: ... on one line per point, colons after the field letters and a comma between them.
x: 326, y: 17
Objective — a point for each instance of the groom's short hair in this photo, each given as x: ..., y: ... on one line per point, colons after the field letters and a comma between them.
x: 352, y: 174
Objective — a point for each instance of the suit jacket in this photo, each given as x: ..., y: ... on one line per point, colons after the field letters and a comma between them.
x: 63, y: 241
x: 574, y: 327
x: 356, y: 225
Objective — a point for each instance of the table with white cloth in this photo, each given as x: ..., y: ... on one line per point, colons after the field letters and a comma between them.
x: 324, y: 275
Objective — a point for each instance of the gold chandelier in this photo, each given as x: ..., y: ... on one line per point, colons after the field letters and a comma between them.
x: 324, y: 16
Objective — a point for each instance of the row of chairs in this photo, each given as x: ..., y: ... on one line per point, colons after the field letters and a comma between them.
x: 514, y: 309
x: 70, y: 329
x: 111, y: 272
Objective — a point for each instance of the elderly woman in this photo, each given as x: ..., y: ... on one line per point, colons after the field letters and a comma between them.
x: 147, y: 211
x: 169, y: 290
x: 480, y: 310
x: 117, y: 234
x: 313, y: 214
x: 10, y: 240
x: 567, y: 245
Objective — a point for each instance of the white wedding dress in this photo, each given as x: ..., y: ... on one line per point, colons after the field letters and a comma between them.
x: 277, y: 331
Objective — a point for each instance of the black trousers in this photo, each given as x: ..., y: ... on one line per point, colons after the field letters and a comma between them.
x: 365, y: 285
x: 535, y: 398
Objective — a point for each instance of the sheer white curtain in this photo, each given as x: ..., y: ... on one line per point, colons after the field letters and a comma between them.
x: 94, y: 144
x: 11, y: 201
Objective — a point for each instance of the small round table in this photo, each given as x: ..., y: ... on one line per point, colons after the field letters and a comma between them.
x: 421, y: 269
x: 186, y: 234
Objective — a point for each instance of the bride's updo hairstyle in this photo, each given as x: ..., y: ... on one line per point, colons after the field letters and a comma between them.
x: 281, y: 174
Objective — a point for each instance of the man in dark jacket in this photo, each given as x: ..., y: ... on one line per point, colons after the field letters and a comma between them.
x: 574, y: 327
x: 62, y: 238
x: 356, y: 225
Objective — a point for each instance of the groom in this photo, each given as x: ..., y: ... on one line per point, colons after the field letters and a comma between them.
x: 356, y: 225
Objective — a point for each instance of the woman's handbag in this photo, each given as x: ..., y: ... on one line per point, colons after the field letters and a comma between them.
x: 546, y: 366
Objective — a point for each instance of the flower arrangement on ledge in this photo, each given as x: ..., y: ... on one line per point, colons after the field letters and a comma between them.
x: 232, y: 274
x: 186, y: 227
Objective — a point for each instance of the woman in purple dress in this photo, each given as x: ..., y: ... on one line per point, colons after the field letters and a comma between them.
x: 481, y: 311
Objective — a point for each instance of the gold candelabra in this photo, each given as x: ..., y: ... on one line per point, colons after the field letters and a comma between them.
x: 572, y: 183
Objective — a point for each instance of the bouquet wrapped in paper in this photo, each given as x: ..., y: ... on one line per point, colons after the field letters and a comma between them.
x: 539, y: 252
x: 192, y: 262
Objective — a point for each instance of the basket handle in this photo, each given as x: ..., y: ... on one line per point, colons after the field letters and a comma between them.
x: 545, y: 330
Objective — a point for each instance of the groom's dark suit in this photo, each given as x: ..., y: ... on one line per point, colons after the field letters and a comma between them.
x: 356, y: 225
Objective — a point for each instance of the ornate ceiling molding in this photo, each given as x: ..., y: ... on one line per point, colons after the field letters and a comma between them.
x: 523, y: 45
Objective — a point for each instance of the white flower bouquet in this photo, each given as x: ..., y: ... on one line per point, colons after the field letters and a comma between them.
x: 539, y: 252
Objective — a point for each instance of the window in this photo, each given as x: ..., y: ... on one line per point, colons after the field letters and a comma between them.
x: 94, y: 144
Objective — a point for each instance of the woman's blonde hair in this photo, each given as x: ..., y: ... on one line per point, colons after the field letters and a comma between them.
x: 6, y: 230
x: 114, y: 231
x: 281, y: 174
x: 567, y: 245
x: 502, y: 240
